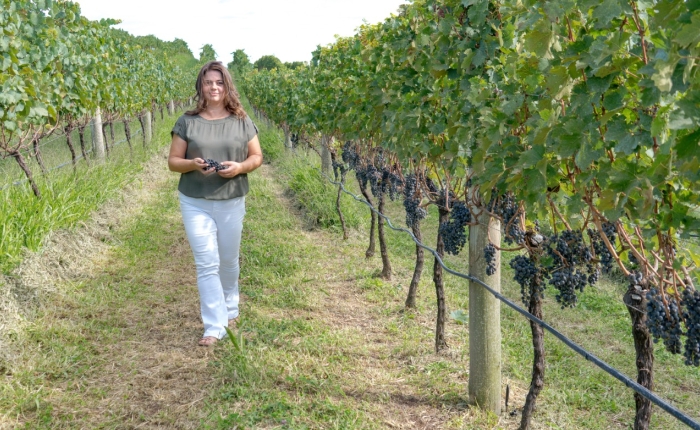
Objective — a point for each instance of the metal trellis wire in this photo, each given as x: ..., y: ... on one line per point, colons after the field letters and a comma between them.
x: 67, y: 163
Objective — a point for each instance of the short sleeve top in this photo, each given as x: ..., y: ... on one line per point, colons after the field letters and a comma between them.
x: 224, y: 139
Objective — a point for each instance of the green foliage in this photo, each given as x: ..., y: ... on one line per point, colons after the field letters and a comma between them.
x: 267, y: 62
x: 207, y: 53
x: 596, y: 101
x: 294, y: 64
x: 58, y: 68
x: 240, y: 65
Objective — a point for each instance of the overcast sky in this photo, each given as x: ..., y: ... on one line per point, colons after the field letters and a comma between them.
x: 288, y: 29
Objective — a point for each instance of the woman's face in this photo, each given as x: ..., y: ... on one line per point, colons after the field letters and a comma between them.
x: 213, y: 86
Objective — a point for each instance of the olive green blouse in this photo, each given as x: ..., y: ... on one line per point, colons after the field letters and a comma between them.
x: 223, y: 139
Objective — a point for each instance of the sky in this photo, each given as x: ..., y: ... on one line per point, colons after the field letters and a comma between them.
x: 287, y: 29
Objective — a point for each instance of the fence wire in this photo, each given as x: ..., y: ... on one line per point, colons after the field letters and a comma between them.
x: 67, y: 163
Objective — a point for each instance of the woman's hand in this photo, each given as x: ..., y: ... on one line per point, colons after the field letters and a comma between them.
x: 202, y: 166
x: 178, y: 163
x: 251, y: 163
x: 232, y: 169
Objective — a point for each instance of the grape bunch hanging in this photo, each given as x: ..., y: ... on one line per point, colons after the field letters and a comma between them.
x: 564, y: 260
x: 453, y: 231
x: 411, y: 201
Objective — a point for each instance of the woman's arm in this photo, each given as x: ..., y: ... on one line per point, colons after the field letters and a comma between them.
x: 177, y: 161
x: 254, y: 160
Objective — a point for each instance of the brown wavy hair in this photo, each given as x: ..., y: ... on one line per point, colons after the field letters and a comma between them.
x: 232, y: 100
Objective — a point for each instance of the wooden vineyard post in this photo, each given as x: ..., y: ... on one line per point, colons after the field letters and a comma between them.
x: 147, y: 127
x: 484, y: 319
x: 287, y: 137
x: 98, y: 144
x: 326, y: 162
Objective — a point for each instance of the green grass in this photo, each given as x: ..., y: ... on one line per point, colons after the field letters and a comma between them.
x: 68, y: 195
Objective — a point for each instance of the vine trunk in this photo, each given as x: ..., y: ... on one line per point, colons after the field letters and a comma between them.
x: 538, y: 365
x: 440, y: 342
x: 37, y: 155
x: 81, y: 134
x: 340, y: 212
x: 127, y: 133
x: 23, y: 165
x: 418, y: 270
x: 372, y: 243
x: 644, y: 348
x: 69, y: 141
x: 386, y: 264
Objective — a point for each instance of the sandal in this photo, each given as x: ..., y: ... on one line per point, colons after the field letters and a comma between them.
x: 207, y: 341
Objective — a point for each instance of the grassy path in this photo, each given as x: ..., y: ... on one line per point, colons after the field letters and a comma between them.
x: 321, y: 348
x: 322, y: 343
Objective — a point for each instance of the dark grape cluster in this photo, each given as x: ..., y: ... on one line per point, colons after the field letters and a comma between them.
x: 374, y: 179
x: 350, y: 155
x: 490, y: 257
x: 379, y: 159
x: 391, y: 183
x: 633, y: 260
x: 460, y: 214
x: 593, y: 274
x: 411, y: 201
x: 691, y: 313
x: 568, y: 280
x: 664, y: 322
x: 453, y: 232
x: 508, y: 209
x: 432, y: 187
x: 601, y: 250
x: 212, y: 164
x: 525, y: 272
x: 610, y: 231
x: 569, y: 249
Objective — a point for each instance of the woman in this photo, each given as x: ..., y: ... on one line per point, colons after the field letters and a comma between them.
x: 212, y: 198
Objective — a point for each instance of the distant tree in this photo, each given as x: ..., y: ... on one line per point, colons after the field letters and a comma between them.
x: 207, y: 54
x: 240, y: 60
x: 268, y: 62
x: 180, y: 45
x: 294, y: 64
x: 240, y: 64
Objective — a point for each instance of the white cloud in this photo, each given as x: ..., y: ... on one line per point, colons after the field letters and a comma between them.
x: 290, y: 30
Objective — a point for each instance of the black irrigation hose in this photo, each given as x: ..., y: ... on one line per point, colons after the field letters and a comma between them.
x: 679, y: 415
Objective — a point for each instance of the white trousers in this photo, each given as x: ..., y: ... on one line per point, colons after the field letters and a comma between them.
x: 214, y: 230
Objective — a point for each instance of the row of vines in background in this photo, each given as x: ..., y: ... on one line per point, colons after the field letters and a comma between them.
x: 572, y: 125
x: 59, y: 69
